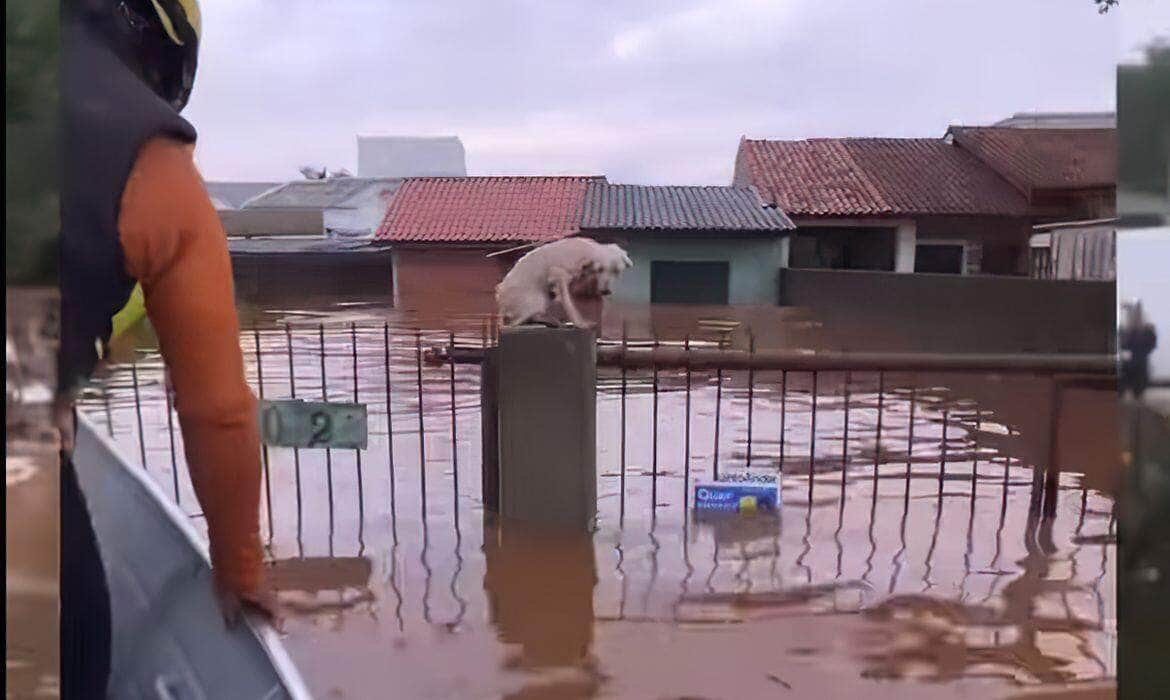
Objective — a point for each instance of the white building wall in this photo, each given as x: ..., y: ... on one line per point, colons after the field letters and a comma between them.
x: 905, y: 242
x: 411, y: 156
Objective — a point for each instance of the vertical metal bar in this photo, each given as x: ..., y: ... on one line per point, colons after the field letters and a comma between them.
x: 812, y: 437
x: 357, y: 454
x: 877, y: 440
x: 942, y: 467
x: 654, y: 443
x: 718, y: 409
x: 975, y: 451
x: 751, y: 395
x: 171, y: 438
x: 138, y: 408
x: 454, y: 440
x: 845, y: 437
x: 292, y: 390
x: 390, y: 429
x: 328, y: 451
x: 106, y: 402
x: 263, y: 445
x: 687, y: 431
x: 422, y: 437
x: 1052, y: 477
x: 622, y: 473
x: 783, y: 413
x: 910, y: 439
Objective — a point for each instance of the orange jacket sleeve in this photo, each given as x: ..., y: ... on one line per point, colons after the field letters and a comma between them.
x: 175, y: 246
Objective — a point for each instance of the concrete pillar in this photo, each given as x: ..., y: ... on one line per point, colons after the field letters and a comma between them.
x: 490, y: 438
x: 905, y: 241
x: 547, y: 425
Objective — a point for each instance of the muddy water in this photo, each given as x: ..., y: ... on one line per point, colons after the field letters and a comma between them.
x: 901, y: 559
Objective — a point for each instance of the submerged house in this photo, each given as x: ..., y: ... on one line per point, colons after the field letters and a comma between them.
x: 904, y: 205
x: 351, y: 206
x: 690, y: 244
x: 965, y: 203
x: 452, y: 239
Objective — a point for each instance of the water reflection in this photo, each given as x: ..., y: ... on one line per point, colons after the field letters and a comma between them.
x: 539, y: 585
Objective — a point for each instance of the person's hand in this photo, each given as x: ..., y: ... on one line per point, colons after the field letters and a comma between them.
x: 233, y: 605
x: 274, y: 606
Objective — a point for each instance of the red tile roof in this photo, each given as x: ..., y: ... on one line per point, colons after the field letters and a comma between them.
x: 874, y: 177
x: 484, y: 209
x: 1034, y: 159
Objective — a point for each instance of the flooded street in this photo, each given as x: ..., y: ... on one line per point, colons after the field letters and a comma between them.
x: 30, y: 501
x: 904, y: 554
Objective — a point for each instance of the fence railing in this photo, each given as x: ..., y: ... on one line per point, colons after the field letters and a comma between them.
x: 893, y: 476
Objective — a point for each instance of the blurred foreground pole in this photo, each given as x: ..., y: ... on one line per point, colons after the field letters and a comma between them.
x: 546, y: 404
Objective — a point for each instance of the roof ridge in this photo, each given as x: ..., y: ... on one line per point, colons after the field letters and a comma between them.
x: 464, y: 178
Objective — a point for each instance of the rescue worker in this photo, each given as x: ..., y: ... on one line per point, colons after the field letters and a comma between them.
x: 134, y: 210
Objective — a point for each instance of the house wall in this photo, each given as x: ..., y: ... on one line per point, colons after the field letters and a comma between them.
x: 451, y: 281
x: 993, y: 244
x: 984, y: 313
x: 299, y: 278
x: 754, y: 263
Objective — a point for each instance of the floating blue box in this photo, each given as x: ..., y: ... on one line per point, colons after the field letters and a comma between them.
x: 736, y: 497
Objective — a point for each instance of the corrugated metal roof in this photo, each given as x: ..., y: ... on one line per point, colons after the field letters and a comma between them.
x: 330, y: 193
x: 679, y: 208
x: 286, y: 245
x: 874, y: 177
x: 232, y: 195
x: 485, y: 209
x: 1044, y: 158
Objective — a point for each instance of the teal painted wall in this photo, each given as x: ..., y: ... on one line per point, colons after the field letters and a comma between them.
x: 754, y: 262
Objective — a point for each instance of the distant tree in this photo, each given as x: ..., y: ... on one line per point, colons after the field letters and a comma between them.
x: 31, y: 219
x: 1104, y: 5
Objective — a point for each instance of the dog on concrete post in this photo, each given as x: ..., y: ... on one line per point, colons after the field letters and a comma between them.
x: 555, y: 272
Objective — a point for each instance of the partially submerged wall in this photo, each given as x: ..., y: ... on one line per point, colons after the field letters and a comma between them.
x: 952, y: 313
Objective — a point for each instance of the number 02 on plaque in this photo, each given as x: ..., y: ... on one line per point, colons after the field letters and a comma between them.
x: 313, y: 424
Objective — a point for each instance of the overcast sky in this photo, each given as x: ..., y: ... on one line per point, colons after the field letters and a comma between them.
x: 643, y: 92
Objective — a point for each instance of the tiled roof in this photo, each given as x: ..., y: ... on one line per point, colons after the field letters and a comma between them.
x: 679, y: 208
x: 485, y: 209
x: 874, y: 177
x: 1044, y: 158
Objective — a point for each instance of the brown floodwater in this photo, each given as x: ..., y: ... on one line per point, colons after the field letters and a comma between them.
x: 902, y: 562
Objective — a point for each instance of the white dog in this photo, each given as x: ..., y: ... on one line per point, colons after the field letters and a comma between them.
x: 554, y: 272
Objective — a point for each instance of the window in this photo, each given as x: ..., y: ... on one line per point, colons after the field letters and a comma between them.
x: 939, y: 257
x: 842, y: 248
x: 689, y: 282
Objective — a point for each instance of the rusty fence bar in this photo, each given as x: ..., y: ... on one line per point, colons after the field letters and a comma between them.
x: 357, y: 453
x: 657, y: 358
x: 390, y: 431
x: 328, y: 451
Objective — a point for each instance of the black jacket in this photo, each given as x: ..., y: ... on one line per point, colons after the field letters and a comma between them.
x: 108, y: 113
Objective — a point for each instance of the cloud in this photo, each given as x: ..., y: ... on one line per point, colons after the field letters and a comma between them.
x: 653, y: 91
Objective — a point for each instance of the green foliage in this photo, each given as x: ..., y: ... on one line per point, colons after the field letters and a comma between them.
x: 30, y: 132
x: 1143, y: 121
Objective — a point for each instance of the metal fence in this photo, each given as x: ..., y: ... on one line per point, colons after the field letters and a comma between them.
x: 891, y: 480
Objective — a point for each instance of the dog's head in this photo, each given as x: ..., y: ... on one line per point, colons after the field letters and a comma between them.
x: 609, y: 262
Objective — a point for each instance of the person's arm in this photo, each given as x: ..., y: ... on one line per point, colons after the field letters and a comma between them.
x: 175, y: 246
